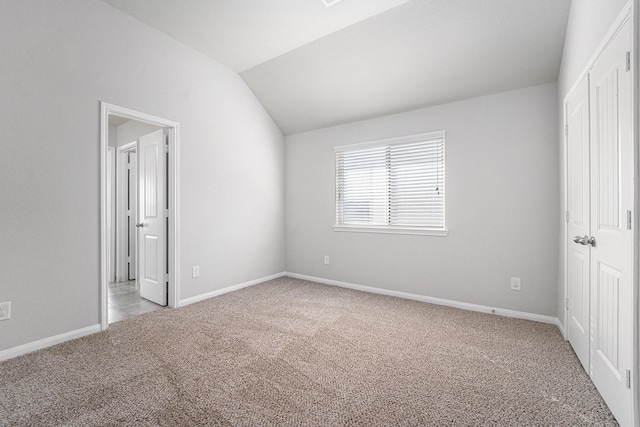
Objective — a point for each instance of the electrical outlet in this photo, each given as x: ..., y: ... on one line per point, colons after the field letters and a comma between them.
x: 515, y: 283
x: 195, y: 271
x: 5, y: 310
x: 326, y: 260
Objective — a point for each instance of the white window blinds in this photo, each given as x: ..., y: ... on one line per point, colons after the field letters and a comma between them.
x: 392, y: 184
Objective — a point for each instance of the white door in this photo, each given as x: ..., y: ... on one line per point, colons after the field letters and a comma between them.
x: 612, y: 162
x: 151, y: 213
x: 578, y: 256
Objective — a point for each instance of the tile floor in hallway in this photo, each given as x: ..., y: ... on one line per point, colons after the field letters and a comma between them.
x: 125, y: 301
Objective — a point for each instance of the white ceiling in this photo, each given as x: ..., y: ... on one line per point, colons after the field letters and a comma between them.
x: 244, y: 33
x: 313, y: 66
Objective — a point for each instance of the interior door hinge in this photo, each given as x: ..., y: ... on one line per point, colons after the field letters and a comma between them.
x: 566, y: 303
x: 628, y: 378
x: 566, y: 216
x: 566, y: 130
x: 628, y: 220
x: 628, y: 61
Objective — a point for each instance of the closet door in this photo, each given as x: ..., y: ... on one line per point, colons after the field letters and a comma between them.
x: 612, y: 160
x: 579, y: 205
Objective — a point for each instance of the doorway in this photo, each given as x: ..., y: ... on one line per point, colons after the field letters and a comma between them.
x: 139, y: 214
x: 128, y: 295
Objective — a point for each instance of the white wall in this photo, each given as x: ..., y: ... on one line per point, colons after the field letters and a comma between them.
x: 59, y: 59
x: 589, y: 21
x: 501, y: 202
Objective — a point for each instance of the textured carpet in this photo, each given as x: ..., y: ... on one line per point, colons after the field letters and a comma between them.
x: 293, y: 353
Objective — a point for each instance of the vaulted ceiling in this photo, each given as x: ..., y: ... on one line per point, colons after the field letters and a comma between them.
x: 313, y: 66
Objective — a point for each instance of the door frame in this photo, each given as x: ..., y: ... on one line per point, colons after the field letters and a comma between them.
x: 111, y: 204
x: 173, y: 183
x: 631, y: 12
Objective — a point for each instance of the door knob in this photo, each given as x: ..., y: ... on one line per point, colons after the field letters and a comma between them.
x: 140, y: 224
x: 585, y: 240
x: 576, y: 239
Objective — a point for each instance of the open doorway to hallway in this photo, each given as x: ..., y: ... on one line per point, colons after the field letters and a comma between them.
x: 139, y: 213
x: 126, y: 189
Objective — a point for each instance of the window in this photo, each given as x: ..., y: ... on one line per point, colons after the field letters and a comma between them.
x: 392, y: 186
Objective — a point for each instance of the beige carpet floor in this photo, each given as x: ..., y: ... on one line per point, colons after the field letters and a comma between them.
x: 296, y: 353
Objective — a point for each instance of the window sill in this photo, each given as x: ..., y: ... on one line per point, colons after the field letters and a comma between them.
x: 388, y: 230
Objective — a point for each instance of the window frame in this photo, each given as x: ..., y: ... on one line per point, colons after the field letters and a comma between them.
x: 392, y: 229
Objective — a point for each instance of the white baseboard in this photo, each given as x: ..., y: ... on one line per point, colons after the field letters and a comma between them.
x: 232, y: 288
x: 47, y: 342
x: 561, y: 328
x: 438, y: 301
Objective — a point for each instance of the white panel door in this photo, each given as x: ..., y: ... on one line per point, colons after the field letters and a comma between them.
x: 151, y: 213
x: 612, y: 162
x: 578, y: 197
